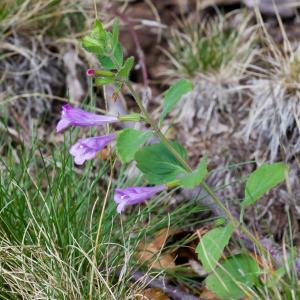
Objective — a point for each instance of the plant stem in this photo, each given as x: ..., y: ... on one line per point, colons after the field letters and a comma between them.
x: 184, y: 163
x: 130, y: 117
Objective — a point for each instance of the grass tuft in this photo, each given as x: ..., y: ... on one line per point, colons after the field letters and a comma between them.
x: 274, y: 114
x: 51, y: 239
x: 215, y: 48
x: 216, y: 55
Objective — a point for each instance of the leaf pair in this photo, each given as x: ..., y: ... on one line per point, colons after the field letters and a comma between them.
x: 231, y: 278
x: 106, y: 46
x: 259, y: 182
x: 95, y: 41
x: 157, y: 162
x: 234, y: 278
x: 120, y: 77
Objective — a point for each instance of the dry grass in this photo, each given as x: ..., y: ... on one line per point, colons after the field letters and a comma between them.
x: 41, y: 59
x: 216, y: 55
x: 274, y: 115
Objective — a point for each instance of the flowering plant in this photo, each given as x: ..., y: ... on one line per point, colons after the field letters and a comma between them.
x: 163, y: 164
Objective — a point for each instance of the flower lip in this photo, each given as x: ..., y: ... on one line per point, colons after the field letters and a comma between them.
x: 135, y: 195
x: 86, y: 149
x: 78, y: 117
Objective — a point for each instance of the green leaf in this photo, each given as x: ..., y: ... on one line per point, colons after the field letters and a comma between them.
x: 129, y: 142
x: 115, y: 33
x: 96, y: 40
x: 234, y: 277
x: 212, y: 245
x: 126, y: 68
x: 104, y: 80
x: 174, y: 94
x: 158, y: 164
x: 262, y: 180
x: 109, y: 63
x: 193, y: 179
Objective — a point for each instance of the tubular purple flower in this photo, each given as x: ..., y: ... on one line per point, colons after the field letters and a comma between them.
x: 86, y: 149
x: 78, y: 117
x: 135, y: 195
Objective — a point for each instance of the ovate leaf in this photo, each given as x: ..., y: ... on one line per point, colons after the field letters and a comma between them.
x: 174, y: 94
x: 109, y: 63
x: 95, y: 41
x: 158, y: 164
x: 194, y: 178
x: 233, y: 278
x: 115, y: 33
x: 262, y: 180
x: 211, y: 246
x: 128, y: 143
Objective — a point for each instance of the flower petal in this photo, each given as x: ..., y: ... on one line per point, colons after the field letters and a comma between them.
x: 86, y: 155
x: 121, y: 207
x: 86, y: 149
x: 62, y: 124
x: 79, y: 160
x: 135, y: 195
x: 119, y: 196
x: 79, y: 117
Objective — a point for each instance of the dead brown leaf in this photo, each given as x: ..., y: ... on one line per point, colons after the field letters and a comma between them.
x: 105, y: 154
x: 201, y: 231
x: 206, y: 294
x: 153, y: 294
x: 150, y: 251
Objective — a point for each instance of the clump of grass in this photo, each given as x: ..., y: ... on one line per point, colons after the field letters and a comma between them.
x: 60, y: 235
x: 47, y: 17
x: 274, y: 116
x: 213, y: 48
x: 215, y: 54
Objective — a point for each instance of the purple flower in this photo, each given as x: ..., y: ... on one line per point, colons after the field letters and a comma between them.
x: 90, y: 72
x: 134, y: 195
x: 86, y: 149
x: 78, y: 117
